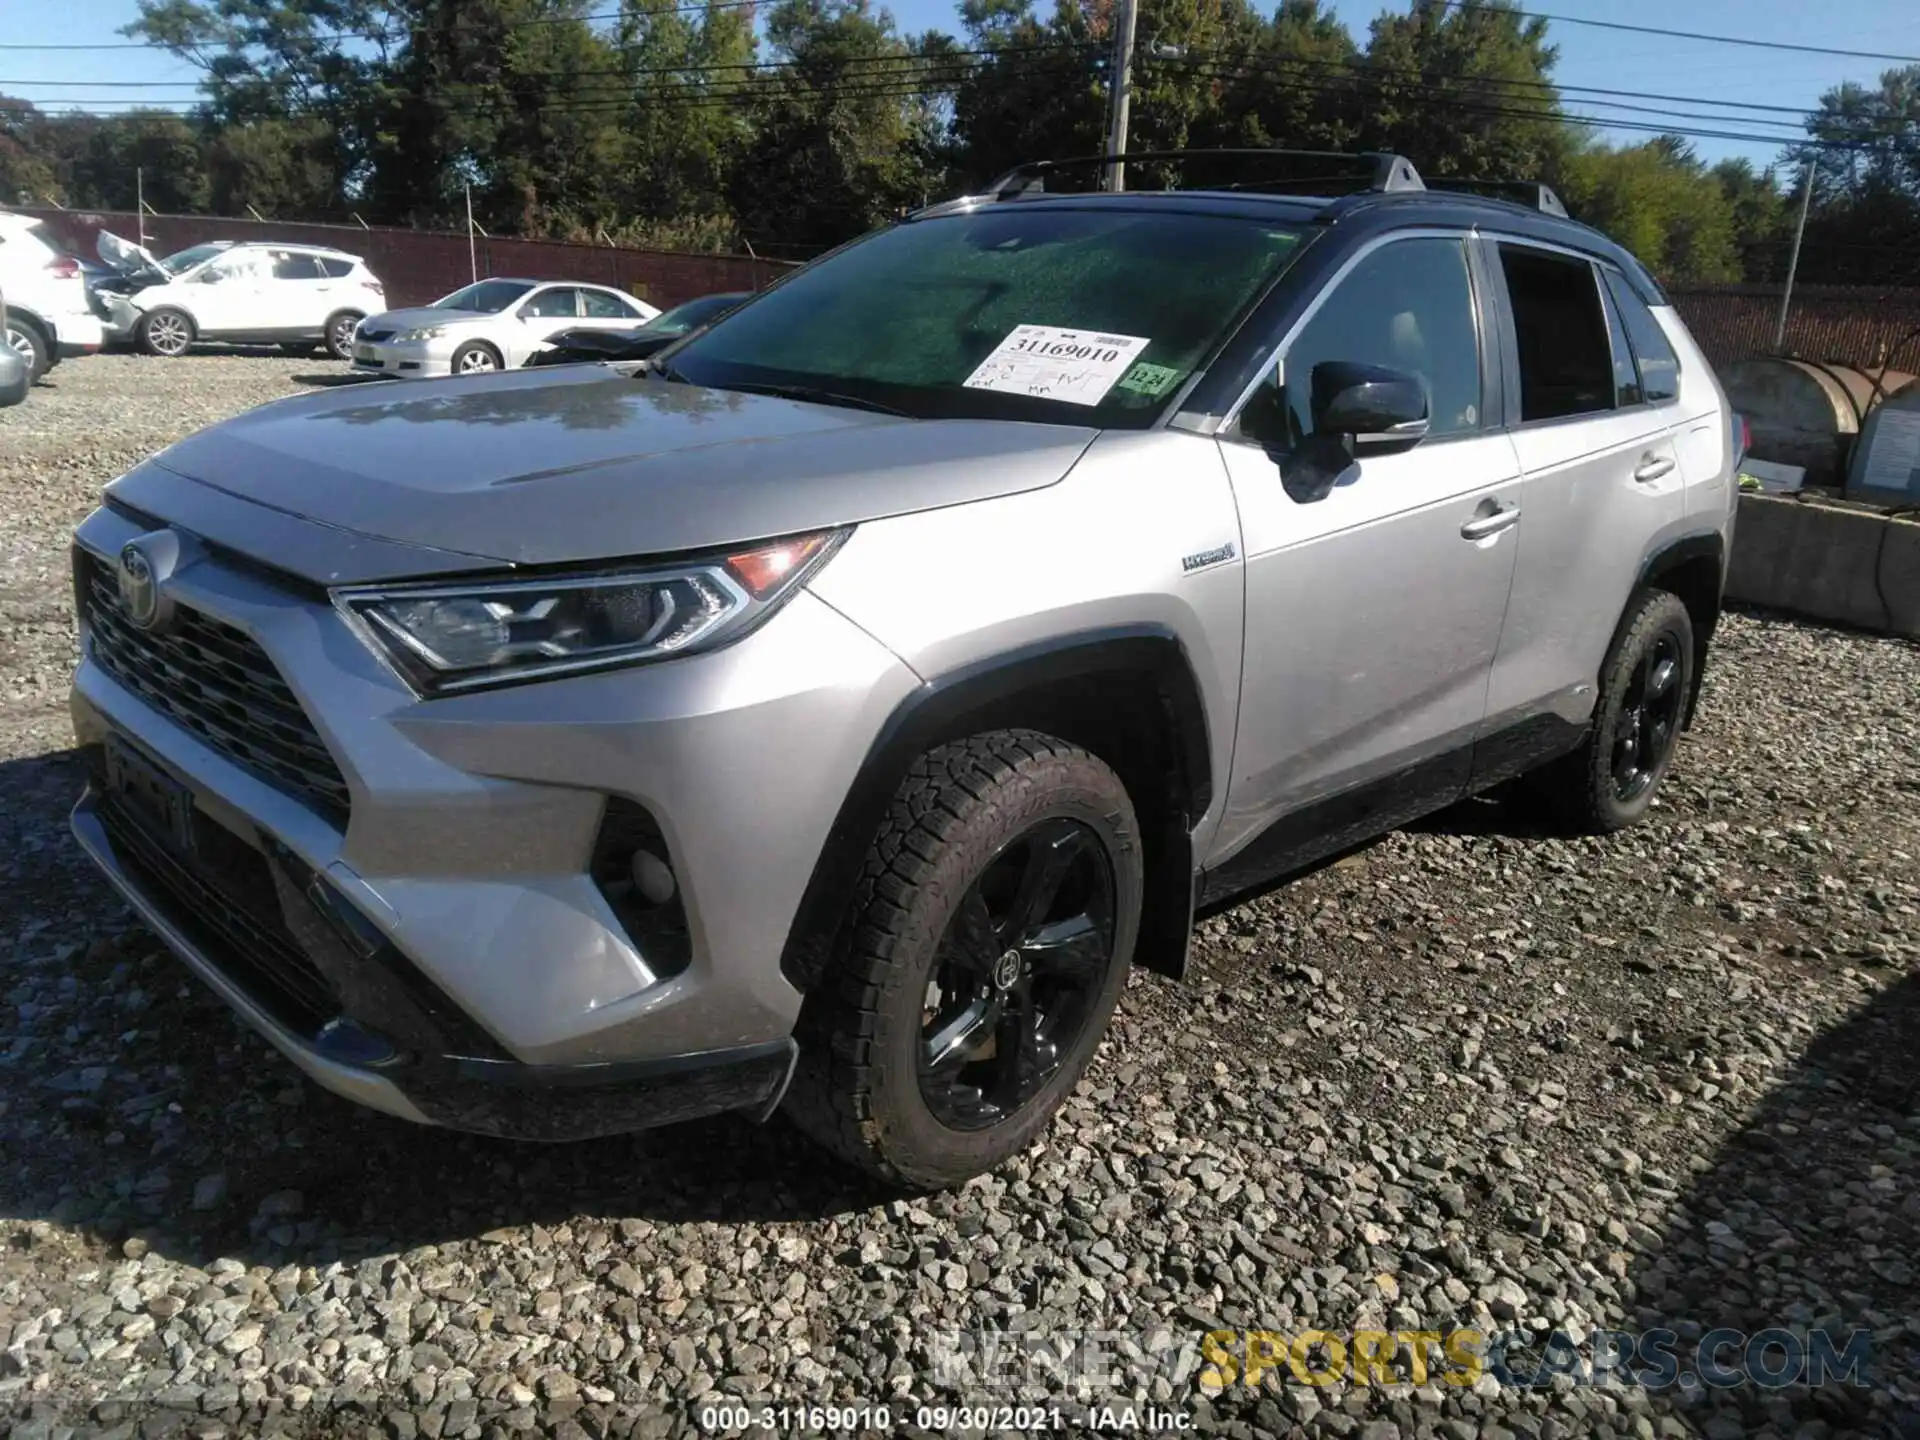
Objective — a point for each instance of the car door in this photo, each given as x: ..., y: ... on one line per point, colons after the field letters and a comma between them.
x: 1601, y: 478
x: 540, y: 315
x: 1374, y: 608
x: 225, y: 296
x: 296, y: 293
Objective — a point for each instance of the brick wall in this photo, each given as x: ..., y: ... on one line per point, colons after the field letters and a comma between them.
x: 1855, y: 325
x: 418, y: 266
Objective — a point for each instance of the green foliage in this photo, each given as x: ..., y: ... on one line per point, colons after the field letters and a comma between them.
x: 1661, y: 203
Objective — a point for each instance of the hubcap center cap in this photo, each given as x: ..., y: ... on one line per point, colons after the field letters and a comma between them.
x: 1006, y: 970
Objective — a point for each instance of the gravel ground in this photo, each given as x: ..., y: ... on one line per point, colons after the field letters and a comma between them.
x: 1472, y: 1076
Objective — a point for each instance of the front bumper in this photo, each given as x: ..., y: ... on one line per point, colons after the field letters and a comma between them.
x: 476, y: 942
x: 414, y: 360
x: 485, y: 1094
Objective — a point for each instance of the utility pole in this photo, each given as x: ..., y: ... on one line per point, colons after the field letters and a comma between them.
x: 1119, y: 90
x: 1793, y: 260
x: 473, y: 259
x: 140, y: 204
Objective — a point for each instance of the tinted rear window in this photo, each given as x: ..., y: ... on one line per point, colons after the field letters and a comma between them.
x: 1659, y: 366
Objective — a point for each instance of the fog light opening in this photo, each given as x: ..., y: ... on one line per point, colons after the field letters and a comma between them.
x: 633, y: 868
x: 653, y: 878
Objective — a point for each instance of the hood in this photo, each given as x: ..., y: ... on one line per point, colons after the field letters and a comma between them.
x: 422, y: 315
x: 549, y: 466
x: 125, y: 256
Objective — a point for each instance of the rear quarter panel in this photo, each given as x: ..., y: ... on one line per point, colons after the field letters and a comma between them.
x: 1702, y: 433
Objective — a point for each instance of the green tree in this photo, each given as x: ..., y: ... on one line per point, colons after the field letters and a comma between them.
x: 1463, y: 89
x: 1661, y: 203
x: 27, y: 175
x: 1864, y: 143
x: 842, y: 138
x: 1758, y: 216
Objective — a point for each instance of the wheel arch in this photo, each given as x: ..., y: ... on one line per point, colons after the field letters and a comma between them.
x: 1692, y: 568
x: 1129, y: 695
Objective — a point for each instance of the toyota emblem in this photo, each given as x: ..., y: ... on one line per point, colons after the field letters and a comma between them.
x: 145, y: 566
x: 139, y: 591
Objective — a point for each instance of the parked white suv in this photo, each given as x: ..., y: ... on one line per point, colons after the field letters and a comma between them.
x: 48, y: 316
x: 295, y: 296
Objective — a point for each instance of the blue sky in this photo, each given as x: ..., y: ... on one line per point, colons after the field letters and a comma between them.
x: 1588, y: 57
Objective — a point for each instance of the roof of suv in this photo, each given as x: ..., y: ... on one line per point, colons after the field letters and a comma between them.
x: 1365, y: 211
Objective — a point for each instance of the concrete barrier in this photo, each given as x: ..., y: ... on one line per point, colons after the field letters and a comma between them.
x: 1828, y: 560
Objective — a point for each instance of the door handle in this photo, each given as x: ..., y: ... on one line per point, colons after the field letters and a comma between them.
x: 1491, y: 523
x: 1652, y: 467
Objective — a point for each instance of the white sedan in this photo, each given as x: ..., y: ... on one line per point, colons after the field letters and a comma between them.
x: 490, y: 325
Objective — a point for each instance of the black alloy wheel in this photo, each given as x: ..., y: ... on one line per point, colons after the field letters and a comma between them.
x: 1649, y: 718
x: 1018, y: 975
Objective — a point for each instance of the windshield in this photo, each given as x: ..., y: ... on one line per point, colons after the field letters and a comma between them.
x: 1022, y: 312
x: 182, y: 261
x: 489, y: 297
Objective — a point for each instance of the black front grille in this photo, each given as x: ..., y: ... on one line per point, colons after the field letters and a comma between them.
x: 224, y: 901
x: 214, y: 680
x: 374, y: 335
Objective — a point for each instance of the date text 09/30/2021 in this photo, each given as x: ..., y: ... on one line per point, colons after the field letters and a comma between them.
x: 1110, y: 1418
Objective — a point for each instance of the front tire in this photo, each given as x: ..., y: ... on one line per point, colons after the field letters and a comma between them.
x: 992, y: 931
x: 476, y: 357
x: 166, y: 332
x: 338, y: 335
x: 1610, y: 781
x: 28, y: 341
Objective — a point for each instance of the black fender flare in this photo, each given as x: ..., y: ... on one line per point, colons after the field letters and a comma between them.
x: 987, y: 695
x: 1687, y: 550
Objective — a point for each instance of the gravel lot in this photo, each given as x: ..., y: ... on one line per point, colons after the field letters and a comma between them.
x: 1472, y: 1076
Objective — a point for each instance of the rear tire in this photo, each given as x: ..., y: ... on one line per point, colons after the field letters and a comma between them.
x: 992, y: 930
x: 1609, y: 783
x: 166, y: 332
x: 28, y: 341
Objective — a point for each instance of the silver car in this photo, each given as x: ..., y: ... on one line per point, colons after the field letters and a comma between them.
x: 496, y: 324
x: 829, y: 715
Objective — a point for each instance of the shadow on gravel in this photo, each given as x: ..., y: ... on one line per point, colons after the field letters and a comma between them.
x: 336, y: 380
x: 1809, y: 1219
x: 1508, y: 812
x: 134, y: 1106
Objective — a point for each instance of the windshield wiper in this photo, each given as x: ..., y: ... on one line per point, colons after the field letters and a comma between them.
x: 814, y: 394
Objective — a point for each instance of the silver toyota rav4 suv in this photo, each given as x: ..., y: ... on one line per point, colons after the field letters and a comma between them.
x: 828, y: 714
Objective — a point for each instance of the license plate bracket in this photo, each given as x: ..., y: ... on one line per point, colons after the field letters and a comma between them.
x: 365, y: 355
x: 162, y: 802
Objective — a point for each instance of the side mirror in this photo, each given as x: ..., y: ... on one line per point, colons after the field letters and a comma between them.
x: 1368, y: 407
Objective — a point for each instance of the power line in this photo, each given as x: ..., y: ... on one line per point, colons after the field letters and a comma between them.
x: 1690, y: 34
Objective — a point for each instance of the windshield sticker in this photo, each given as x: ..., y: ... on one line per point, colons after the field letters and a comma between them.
x: 1146, y: 379
x: 1048, y: 363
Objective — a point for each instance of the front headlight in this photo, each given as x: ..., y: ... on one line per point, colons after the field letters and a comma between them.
x: 425, y: 332
x: 443, y: 639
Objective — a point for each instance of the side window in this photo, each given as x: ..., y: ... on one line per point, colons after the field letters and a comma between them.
x: 1407, y: 306
x: 1659, y: 366
x: 1626, y: 375
x: 1566, y: 364
x: 293, y: 265
x: 335, y: 269
x: 601, y: 305
x: 556, y: 304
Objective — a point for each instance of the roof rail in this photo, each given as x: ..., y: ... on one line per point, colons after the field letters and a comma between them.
x: 1375, y: 170
x: 1530, y: 193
